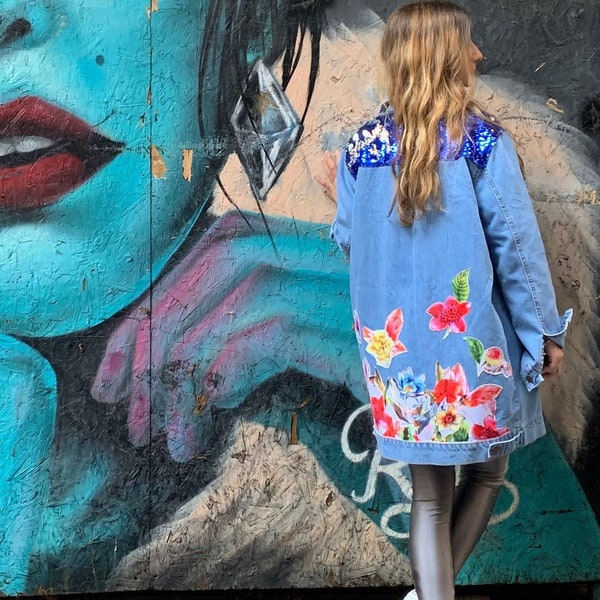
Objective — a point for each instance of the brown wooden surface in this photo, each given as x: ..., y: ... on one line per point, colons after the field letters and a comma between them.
x: 572, y: 591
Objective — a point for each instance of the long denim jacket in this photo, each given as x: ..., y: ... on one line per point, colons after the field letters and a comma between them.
x: 451, y: 312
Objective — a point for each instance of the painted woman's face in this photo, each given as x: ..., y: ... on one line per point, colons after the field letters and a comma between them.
x: 98, y: 107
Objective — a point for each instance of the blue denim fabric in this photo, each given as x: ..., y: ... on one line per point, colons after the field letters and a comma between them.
x: 468, y: 391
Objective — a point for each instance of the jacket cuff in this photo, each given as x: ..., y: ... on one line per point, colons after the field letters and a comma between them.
x: 559, y: 337
x: 532, y: 368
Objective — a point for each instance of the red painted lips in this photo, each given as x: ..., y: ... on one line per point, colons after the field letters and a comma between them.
x: 45, y: 152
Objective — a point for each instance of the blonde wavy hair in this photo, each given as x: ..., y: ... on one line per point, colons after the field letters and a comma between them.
x: 424, y: 48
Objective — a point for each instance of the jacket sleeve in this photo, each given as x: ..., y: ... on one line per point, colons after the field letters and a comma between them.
x: 519, y: 258
x: 341, y: 229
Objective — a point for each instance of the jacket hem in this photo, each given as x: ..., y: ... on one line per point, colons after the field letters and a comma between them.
x: 459, y: 453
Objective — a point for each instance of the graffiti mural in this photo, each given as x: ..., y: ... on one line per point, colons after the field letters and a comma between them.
x: 182, y: 400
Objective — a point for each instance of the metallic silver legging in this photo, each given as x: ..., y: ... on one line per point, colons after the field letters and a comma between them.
x: 447, y: 522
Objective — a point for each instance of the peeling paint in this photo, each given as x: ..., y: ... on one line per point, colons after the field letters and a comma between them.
x: 186, y: 161
x: 152, y: 8
x: 159, y: 168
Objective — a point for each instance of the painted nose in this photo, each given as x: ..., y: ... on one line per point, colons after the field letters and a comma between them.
x: 23, y: 23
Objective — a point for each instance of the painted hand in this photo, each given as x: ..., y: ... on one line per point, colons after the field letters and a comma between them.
x: 229, y: 316
x: 327, y: 178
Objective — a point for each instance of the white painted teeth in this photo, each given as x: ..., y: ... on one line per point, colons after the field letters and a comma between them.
x: 30, y: 143
x: 6, y: 146
x: 23, y: 143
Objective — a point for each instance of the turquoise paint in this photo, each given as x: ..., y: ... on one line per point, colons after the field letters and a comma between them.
x: 41, y: 16
x: 27, y: 418
x: 83, y: 531
x: 552, y: 537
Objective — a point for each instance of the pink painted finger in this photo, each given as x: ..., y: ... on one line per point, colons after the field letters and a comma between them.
x: 245, y: 360
x: 140, y: 408
x: 193, y: 288
x: 185, y: 419
x: 112, y: 381
x: 271, y: 348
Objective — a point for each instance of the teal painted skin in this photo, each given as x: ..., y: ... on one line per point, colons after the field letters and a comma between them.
x: 25, y: 446
x: 78, y: 261
x: 72, y: 264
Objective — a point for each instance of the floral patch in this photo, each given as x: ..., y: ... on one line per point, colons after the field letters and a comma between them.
x: 449, y: 315
x: 384, y: 417
x: 489, y: 360
x: 489, y: 430
x: 455, y: 378
x: 405, y: 408
x: 385, y: 343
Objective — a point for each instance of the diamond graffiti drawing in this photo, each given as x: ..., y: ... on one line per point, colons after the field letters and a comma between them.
x: 267, y: 129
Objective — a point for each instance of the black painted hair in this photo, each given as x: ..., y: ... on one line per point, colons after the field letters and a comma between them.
x: 238, y: 31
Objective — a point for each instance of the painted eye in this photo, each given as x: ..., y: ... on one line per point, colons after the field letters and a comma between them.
x: 25, y: 24
x: 15, y: 31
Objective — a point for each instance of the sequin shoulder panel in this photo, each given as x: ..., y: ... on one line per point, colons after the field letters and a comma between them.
x: 480, y: 140
x: 375, y: 144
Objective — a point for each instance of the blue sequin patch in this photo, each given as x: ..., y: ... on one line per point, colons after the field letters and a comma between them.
x: 375, y: 144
